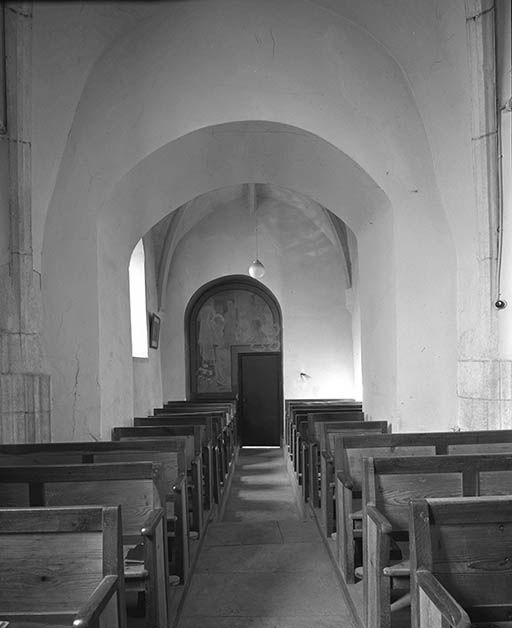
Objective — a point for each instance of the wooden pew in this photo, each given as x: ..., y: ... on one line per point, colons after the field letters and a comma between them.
x: 321, y: 434
x: 389, y: 484
x: 302, y: 438
x: 201, y: 482
x: 229, y: 406
x: 136, y: 487
x: 225, y: 421
x: 308, y: 443
x: 348, y: 456
x: 292, y: 406
x: 62, y: 565
x: 216, y: 431
x: 461, y: 569
x: 299, y: 418
x: 169, y: 454
x: 299, y: 414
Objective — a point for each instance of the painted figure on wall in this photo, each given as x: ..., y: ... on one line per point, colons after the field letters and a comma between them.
x: 230, y: 319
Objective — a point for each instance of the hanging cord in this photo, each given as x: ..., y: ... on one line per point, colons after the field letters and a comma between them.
x: 500, y: 303
x: 256, y: 231
x: 499, y: 230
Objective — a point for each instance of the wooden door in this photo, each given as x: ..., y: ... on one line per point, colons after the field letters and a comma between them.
x: 260, y: 393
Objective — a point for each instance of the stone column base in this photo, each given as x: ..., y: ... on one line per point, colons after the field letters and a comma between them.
x: 24, y: 408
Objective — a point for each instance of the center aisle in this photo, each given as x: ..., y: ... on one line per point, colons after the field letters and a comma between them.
x: 263, y: 566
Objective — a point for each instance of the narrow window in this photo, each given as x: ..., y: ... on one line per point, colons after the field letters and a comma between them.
x: 139, y: 322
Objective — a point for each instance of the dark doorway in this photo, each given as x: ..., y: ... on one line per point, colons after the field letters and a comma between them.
x: 260, y: 389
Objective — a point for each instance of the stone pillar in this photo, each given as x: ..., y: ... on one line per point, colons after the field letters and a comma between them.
x: 24, y: 387
x: 484, y: 379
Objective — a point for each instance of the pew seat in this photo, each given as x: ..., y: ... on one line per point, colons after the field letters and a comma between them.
x: 389, y: 484
x: 349, y: 452
x: 136, y: 487
x: 200, y: 464
x: 62, y: 567
x: 169, y: 454
x: 220, y: 434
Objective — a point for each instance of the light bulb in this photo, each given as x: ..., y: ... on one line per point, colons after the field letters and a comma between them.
x: 256, y: 269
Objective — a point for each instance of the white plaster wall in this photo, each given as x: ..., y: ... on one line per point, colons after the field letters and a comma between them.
x: 426, y: 38
x: 68, y: 40
x: 378, y: 319
x: 303, y: 270
x: 128, y: 386
x: 299, y: 161
x: 353, y: 299
x: 147, y: 375
x: 115, y: 380
x: 321, y: 74
x: 4, y: 203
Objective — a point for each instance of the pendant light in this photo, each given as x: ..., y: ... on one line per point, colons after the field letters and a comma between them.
x: 256, y: 269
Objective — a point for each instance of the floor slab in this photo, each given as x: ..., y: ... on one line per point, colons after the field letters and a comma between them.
x: 265, y: 622
x: 248, y: 533
x: 263, y: 565
x: 286, y: 558
x: 264, y: 594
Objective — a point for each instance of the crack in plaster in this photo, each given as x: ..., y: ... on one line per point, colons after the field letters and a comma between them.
x: 484, y: 136
x: 13, y: 140
x: 75, y: 391
x: 20, y: 13
x: 479, y: 15
x: 273, y: 44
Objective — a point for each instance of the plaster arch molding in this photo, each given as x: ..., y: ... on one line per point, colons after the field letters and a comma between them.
x: 197, y: 99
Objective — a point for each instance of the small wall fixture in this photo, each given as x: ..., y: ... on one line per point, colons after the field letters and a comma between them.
x: 304, y: 377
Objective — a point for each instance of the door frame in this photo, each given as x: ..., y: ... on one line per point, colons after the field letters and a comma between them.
x: 280, y: 387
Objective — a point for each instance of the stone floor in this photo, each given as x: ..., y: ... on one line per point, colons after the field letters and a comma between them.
x: 263, y: 566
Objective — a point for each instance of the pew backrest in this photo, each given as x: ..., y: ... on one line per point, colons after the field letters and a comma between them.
x: 221, y: 406
x: 390, y: 484
x: 54, y: 559
x: 136, y: 487
x: 319, y: 427
x: 170, y: 452
x: 463, y: 545
x: 214, y: 425
x: 291, y: 404
x: 222, y: 418
x: 148, y: 432
x: 349, y: 451
x: 325, y: 432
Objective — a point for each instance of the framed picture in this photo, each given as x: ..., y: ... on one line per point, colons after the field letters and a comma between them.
x: 154, y: 330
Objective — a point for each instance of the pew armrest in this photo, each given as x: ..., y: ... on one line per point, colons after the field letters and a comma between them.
x: 179, y: 486
x: 345, y: 480
x: 435, y: 603
x: 152, y: 521
x: 88, y: 615
x: 378, y: 519
x: 327, y: 455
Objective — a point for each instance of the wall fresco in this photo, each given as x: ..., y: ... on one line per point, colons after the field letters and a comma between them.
x: 231, y: 320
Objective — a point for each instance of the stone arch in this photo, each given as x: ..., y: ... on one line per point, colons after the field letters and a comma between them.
x: 341, y: 97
